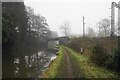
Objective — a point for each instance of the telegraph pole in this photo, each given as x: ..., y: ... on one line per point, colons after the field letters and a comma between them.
x: 83, y: 26
x: 119, y: 18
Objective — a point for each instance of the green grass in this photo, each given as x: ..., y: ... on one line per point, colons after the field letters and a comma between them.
x: 88, y: 69
x: 56, y: 67
x: 81, y: 65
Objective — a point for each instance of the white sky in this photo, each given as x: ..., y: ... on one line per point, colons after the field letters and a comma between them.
x: 58, y: 11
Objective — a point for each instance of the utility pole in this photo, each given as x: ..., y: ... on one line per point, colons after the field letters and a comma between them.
x: 119, y: 18
x: 83, y: 26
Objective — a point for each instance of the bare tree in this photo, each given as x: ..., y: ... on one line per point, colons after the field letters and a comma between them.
x: 65, y: 28
x: 100, y: 30
x: 104, y: 27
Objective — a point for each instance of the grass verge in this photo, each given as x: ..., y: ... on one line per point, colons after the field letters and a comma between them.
x: 56, y: 67
x: 88, y: 69
x: 81, y: 65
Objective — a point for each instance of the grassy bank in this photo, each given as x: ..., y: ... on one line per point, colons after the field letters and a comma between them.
x: 81, y: 65
x: 54, y: 67
x: 88, y: 69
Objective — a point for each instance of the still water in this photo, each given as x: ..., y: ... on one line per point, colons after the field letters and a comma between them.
x: 35, y: 64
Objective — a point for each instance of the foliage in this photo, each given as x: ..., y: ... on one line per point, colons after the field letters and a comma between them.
x: 74, y: 44
x: 102, y: 58
x: 14, y: 27
x: 37, y: 24
x: 100, y: 49
x: 114, y: 61
x: 79, y: 42
x: 23, y: 33
x: 90, y: 70
x: 81, y: 65
x: 99, y: 55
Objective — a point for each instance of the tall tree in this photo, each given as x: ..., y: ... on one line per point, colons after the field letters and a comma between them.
x: 14, y: 30
x: 23, y: 33
x: 37, y: 23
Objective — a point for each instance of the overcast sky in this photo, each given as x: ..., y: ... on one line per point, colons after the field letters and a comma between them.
x: 58, y: 11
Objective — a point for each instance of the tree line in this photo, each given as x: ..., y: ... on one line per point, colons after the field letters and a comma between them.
x: 102, y: 51
x: 23, y: 33
x: 104, y: 29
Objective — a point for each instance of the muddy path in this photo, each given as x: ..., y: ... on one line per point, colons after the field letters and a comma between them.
x: 68, y: 63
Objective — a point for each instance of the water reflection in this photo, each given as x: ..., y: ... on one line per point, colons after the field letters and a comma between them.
x: 35, y: 64
x: 16, y: 63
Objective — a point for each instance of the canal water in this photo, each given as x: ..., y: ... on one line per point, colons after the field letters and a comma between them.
x: 35, y: 64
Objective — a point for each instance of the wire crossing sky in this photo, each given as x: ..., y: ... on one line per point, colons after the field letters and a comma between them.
x: 58, y: 11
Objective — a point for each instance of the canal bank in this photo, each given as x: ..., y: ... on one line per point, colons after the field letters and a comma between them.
x: 35, y: 64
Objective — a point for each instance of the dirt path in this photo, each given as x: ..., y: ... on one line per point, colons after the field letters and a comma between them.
x: 69, y: 69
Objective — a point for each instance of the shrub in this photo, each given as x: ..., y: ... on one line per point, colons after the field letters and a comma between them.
x: 75, y: 44
x: 99, y: 55
x: 101, y: 58
x: 114, y: 61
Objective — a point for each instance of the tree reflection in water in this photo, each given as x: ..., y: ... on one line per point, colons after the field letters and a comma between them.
x: 34, y: 64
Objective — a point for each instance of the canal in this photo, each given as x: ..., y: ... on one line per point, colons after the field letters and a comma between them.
x: 35, y: 64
